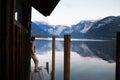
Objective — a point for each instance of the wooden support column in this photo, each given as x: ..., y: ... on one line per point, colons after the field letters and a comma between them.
x: 10, y: 67
x: 24, y: 18
x: 3, y: 31
x: 6, y: 40
x: 0, y: 38
x: 67, y: 43
x: 47, y: 67
x: 53, y: 58
x: 118, y: 57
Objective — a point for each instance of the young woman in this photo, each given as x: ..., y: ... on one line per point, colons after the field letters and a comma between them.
x: 33, y: 54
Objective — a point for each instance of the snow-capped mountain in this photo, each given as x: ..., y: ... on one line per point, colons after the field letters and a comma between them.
x: 101, y: 29
x: 83, y: 26
x: 47, y: 30
x: 105, y: 28
x: 60, y: 30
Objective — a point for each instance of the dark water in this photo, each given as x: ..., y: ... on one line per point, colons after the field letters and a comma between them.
x: 90, y: 60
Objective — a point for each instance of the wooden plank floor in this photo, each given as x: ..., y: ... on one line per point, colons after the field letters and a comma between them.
x: 41, y: 75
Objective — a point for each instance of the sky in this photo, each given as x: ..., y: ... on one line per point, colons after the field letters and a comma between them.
x: 70, y: 12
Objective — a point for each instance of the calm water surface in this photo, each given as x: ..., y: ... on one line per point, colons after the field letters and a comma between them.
x: 90, y: 59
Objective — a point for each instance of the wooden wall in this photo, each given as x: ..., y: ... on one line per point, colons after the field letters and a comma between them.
x: 21, y: 53
x: 14, y: 41
x: 4, y: 31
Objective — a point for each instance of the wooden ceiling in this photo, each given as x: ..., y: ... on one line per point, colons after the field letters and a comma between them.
x: 45, y: 7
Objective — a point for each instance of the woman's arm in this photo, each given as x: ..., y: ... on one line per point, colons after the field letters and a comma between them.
x: 34, y: 49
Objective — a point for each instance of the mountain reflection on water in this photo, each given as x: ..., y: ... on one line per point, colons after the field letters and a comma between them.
x: 90, y: 60
x: 99, y: 49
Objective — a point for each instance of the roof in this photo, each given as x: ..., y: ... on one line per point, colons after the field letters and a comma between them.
x: 45, y: 7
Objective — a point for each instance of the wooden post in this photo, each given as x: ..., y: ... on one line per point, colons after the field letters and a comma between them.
x: 47, y: 67
x: 118, y: 57
x: 3, y: 39
x: 53, y: 58
x: 67, y: 57
x: 10, y: 66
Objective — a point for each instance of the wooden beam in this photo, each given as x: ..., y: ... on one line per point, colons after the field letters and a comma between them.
x: 47, y: 67
x: 53, y: 58
x: 9, y: 43
x: 3, y: 31
x: 118, y: 57
x: 67, y: 43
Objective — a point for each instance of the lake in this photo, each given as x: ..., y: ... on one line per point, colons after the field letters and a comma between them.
x: 90, y: 59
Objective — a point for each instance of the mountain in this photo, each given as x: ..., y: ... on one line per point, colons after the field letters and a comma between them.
x: 60, y: 30
x: 105, y: 28
x: 38, y: 31
x: 81, y: 28
x: 43, y: 28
